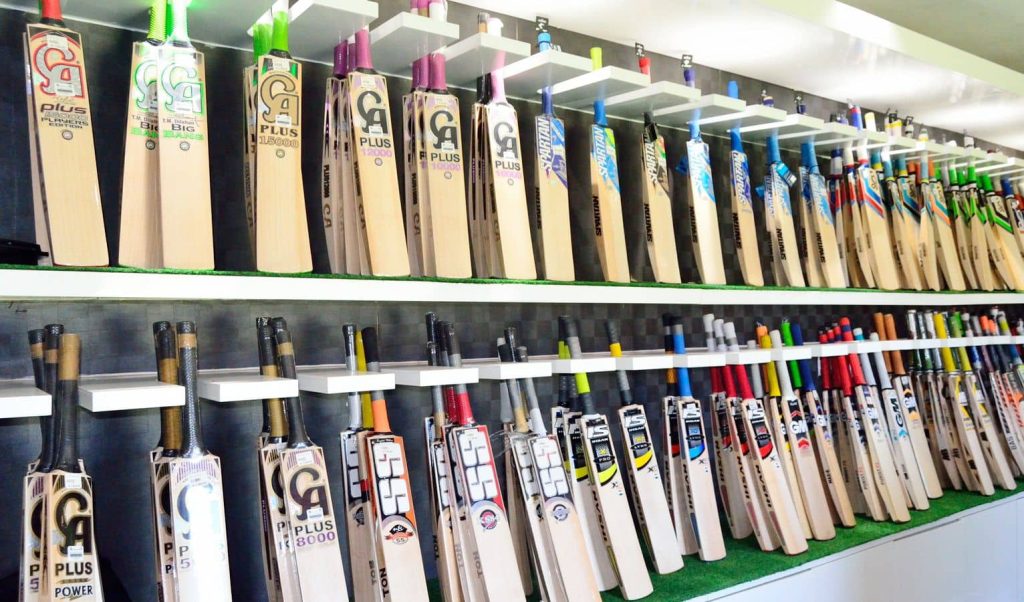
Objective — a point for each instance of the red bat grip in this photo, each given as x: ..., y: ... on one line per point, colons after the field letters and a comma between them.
x: 844, y: 376
x: 741, y: 376
x: 50, y: 9
x: 730, y: 386
x: 716, y: 380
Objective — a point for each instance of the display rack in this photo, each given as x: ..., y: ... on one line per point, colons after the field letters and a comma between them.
x: 406, y: 37
x: 480, y: 54
x: 525, y: 78
x: 21, y: 399
x: 329, y: 380
x: 317, y: 25
x: 117, y: 392
x: 226, y: 386
x: 583, y: 90
x: 655, y: 97
x: 422, y: 375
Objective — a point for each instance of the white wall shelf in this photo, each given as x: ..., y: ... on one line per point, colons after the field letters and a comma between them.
x: 582, y: 90
x: 406, y: 37
x: 331, y: 380
x: 644, y: 360
x: 590, y: 363
x: 493, y: 369
x: 752, y: 116
x: 422, y: 375
x: 318, y: 25
x: 698, y: 358
x: 480, y: 54
x: 659, y: 95
x: 709, y: 106
x: 227, y: 386
x: 128, y: 392
x: 748, y: 356
x: 791, y: 353
x: 526, y: 77
x: 103, y: 285
x: 20, y: 399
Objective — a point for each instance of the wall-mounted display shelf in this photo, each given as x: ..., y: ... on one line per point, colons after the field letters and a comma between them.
x: 317, y: 25
x: 657, y: 96
x: 244, y: 385
x: 103, y: 393
x: 330, y: 380
x: 480, y: 54
x: 709, y: 106
x: 20, y: 399
x: 406, y: 37
x: 525, y: 78
x: 590, y: 362
x: 493, y: 369
x: 751, y: 118
x: 582, y: 90
x: 422, y: 375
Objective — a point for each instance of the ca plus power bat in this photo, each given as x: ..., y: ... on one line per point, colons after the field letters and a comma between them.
x: 376, y: 176
x: 197, y: 493
x: 645, y: 477
x: 185, y: 204
x: 67, y: 193
x: 139, y: 242
x: 168, y: 448
x: 824, y: 443
x: 608, y: 488
x: 700, y: 501
x: 282, y: 577
x: 606, y: 194
x: 909, y: 407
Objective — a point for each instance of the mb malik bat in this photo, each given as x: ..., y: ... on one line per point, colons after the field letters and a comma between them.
x: 700, y: 493
x: 307, y: 493
x: 282, y: 579
x: 140, y: 244
x: 657, y: 195
x: 282, y: 234
x: 377, y: 192
x: 606, y: 194
x: 197, y: 494
x: 184, y: 149
x: 645, y: 477
x: 482, y: 517
x: 555, y: 239
x: 66, y: 188
x: 396, y: 535
x: 744, y: 226
x: 168, y: 447
x: 609, y: 491
x: 72, y: 562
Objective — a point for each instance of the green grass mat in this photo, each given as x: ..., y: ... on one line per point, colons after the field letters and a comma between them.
x: 745, y: 562
x: 690, y: 285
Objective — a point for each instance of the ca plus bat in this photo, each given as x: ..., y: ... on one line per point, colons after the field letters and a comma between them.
x: 700, y: 501
x: 31, y: 576
x: 397, y: 536
x: 988, y: 435
x: 185, y: 204
x: 606, y: 194
x: 608, y: 489
x: 281, y: 570
x: 262, y: 32
x: 197, y: 494
x: 168, y: 448
x: 823, y: 246
x: 66, y: 186
x: 645, y: 477
x: 376, y: 176
x: 908, y: 406
x: 707, y: 246
x: 139, y: 242
x: 552, y: 213
x: 417, y: 206
x: 744, y: 228
x: 824, y: 443
x: 812, y: 490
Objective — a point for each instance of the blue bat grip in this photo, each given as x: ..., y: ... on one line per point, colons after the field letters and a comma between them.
x: 545, y: 101
x: 805, y: 365
x: 807, y: 154
x: 887, y: 168
x: 682, y: 374
x: 600, y: 118
x: 733, y: 90
x: 544, y: 41
x: 772, y: 144
x: 737, y: 142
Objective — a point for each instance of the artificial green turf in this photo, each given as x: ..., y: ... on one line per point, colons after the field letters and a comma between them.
x: 690, y: 285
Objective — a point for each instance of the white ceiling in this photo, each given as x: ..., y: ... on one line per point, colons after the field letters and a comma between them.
x: 820, y: 46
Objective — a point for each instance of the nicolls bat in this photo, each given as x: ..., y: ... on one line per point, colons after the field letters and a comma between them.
x: 139, y: 242
x: 185, y: 204
x: 67, y: 192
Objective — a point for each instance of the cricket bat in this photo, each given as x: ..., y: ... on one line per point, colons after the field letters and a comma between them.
x: 805, y: 228
x: 481, y: 513
x: 700, y: 501
x: 645, y: 477
x: 139, y: 243
x: 1006, y: 391
x: 1002, y: 245
x: 561, y: 520
x: 282, y: 234
x: 72, y: 561
x: 858, y: 251
x: 376, y: 176
x: 68, y: 186
x: 905, y: 226
x: 927, y: 240
x: 824, y: 443
x: 660, y: 233
x: 445, y: 179
x: 812, y: 491
x: 677, y: 491
x: 958, y: 210
x: 744, y: 227
x: 261, y: 35
x: 909, y: 406
x: 552, y: 214
x: 168, y: 448
x: 875, y: 221
x: 823, y: 244
x: 282, y: 579
x: 609, y: 230
x: 183, y: 149
x: 31, y: 581
x: 942, y: 215
x: 417, y: 206
x: 771, y: 481
x: 335, y: 176
x: 622, y: 541
x: 835, y: 203
x: 778, y: 179
x: 1014, y: 209
x: 310, y: 512
x: 977, y: 227
x: 197, y: 494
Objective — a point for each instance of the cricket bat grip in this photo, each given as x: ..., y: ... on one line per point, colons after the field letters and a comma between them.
x: 730, y: 386
x: 188, y: 362
x: 460, y: 400
x: 297, y: 436
x: 896, y: 357
x: 50, y: 11
x: 67, y: 374
x: 35, y: 342
x: 805, y: 365
x: 741, y: 378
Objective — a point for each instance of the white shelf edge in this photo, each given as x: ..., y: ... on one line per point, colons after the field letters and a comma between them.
x: 658, y: 95
x: 478, y: 55
x: 63, y: 285
x: 700, y: 359
x: 422, y: 375
x: 633, y: 361
x: 493, y: 369
x: 406, y: 37
x: 227, y: 386
x: 332, y: 380
x: 524, y: 78
x: 583, y: 364
x: 748, y: 356
x: 101, y: 393
x: 21, y: 399
x: 600, y: 84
